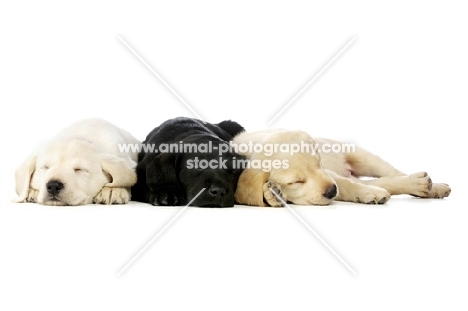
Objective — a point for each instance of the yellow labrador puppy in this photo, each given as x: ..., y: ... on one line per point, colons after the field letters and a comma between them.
x: 82, y: 164
x: 280, y: 160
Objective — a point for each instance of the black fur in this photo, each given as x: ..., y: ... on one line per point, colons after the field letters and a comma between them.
x: 166, y: 178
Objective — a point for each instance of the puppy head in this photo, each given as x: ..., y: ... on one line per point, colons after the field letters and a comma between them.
x: 305, y: 182
x: 302, y: 179
x: 68, y: 172
x: 216, y: 173
x: 176, y: 178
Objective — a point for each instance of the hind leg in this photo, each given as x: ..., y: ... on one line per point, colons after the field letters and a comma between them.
x: 418, y: 184
x: 438, y: 191
x: 365, y: 163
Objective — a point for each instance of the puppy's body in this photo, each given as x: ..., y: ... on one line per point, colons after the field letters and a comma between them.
x: 171, y: 178
x: 82, y: 164
x: 317, y: 178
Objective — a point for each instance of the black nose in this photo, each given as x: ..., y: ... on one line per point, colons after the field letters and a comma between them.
x: 331, y: 192
x: 216, y: 191
x: 54, y: 187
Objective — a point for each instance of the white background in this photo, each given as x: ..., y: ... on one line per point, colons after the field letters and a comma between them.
x: 398, y: 91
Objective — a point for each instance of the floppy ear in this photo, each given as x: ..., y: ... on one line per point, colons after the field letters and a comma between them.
x: 162, y: 169
x: 231, y: 127
x: 250, y: 187
x: 23, y: 177
x: 121, y: 171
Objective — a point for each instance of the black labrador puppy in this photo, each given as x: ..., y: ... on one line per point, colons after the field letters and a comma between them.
x: 188, y: 155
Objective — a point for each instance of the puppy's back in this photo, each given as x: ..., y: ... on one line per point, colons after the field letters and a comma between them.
x: 102, y: 132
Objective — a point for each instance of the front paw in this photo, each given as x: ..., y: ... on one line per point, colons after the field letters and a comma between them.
x: 269, y: 197
x: 32, y: 196
x: 371, y: 195
x: 167, y: 198
x: 112, y: 195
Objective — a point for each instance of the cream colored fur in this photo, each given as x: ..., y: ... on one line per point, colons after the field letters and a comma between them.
x: 86, y: 159
x: 309, y: 176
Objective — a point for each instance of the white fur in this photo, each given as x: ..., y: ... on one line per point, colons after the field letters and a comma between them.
x: 85, y: 157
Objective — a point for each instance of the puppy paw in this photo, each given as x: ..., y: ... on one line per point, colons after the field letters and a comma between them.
x: 438, y: 191
x: 372, y: 195
x: 167, y: 198
x: 32, y: 196
x: 269, y: 197
x: 111, y: 195
x: 419, y: 184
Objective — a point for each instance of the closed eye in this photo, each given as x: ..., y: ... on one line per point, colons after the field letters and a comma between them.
x: 80, y: 170
x: 300, y: 181
x: 45, y: 167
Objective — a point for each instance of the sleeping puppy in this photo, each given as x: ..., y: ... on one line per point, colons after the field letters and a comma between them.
x: 176, y: 176
x: 310, y: 177
x: 82, y: 164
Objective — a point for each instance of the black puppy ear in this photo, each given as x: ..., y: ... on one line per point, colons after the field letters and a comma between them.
x: 231, y: 127
x: 162, y: 169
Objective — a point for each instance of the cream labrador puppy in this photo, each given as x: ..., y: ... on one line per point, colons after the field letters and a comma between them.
x: 82, y: 164
x: 314, y: 177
